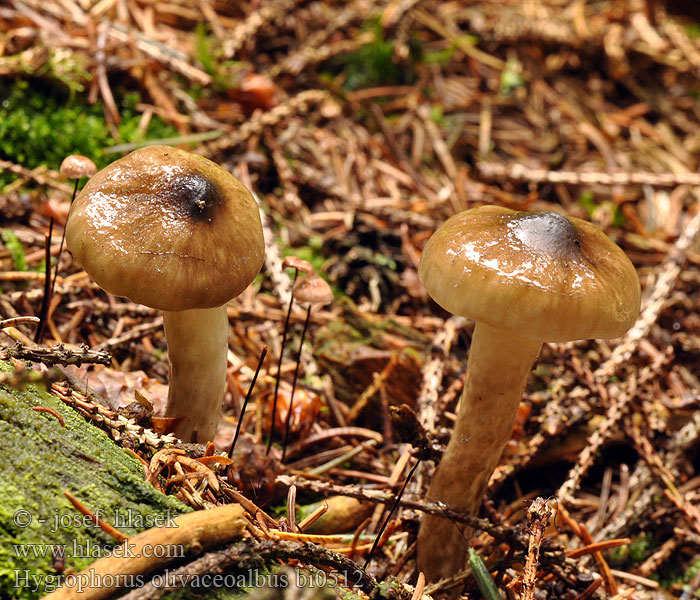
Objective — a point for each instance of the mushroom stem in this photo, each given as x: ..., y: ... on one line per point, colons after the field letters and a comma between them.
x: 197, y: 346
x: 497, y: 371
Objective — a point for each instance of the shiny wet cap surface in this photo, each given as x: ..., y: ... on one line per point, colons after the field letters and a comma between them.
x: 540, y: 275
x: 168, y: 229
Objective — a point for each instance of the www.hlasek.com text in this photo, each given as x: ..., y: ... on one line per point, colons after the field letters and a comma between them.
x: 89, y: 549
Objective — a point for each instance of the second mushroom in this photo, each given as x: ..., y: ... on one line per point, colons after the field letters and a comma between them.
x: 525, y: 278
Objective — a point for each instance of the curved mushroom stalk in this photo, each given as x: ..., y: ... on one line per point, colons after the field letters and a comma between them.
x: 497, y: 371
x: 198, y: 347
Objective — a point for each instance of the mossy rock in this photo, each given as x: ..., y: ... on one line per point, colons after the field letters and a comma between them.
x: 39, y: 460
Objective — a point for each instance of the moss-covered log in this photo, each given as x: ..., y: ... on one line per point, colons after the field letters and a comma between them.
x: 41, y: 534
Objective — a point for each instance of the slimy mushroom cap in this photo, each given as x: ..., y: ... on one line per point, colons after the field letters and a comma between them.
x: 540, y: 275
x: 168, y: 229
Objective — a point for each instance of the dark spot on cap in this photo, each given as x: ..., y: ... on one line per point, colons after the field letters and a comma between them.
x: 546, y: 233
x: 198, y: 195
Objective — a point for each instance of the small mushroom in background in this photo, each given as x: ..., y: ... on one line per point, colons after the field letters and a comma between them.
x: 176, y: 232
x: 311, y: 289
x: 74, y: 167
x: 298, y: 264
x: 525, y: 278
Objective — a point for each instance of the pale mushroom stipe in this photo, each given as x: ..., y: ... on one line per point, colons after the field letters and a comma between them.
x: 174, y: 231
x: 525, y: 278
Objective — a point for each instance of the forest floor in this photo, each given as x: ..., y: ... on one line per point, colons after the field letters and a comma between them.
x: 361, y: 127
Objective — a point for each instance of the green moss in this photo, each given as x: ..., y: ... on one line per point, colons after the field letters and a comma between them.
x: 588, y: 202
x: 41, y: 125
x: 677, y: 575
x: 15, y: 248
x: 373, y: 64
x: 511, y: 79
x: 439, y: 57
x: 636, y: 552
x: 209, y: 53
x: 693, y: 30
x: 41, y: 459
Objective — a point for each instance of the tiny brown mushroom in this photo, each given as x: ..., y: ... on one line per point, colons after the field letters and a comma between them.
x: 294, y: 262
x: 298, y: 264
x: 76, y: 166
x: 176, y: 232
x: 311, y: 289
x: 525, y: 278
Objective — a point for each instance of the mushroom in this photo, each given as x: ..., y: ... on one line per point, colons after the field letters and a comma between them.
x: 76, y: 166
x: 176, y: 232
x: 310, y: 290
x: 525, y: 278
x: 73, y: 166
x: 298, y: 264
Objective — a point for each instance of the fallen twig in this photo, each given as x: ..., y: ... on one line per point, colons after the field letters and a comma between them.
x: 60, y: 355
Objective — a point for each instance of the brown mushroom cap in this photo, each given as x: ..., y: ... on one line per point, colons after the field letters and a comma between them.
x: 168, y: 229
x: 540, y: 275
x: 294, y: 262
x: 312, y: 289
x: 76, y: 166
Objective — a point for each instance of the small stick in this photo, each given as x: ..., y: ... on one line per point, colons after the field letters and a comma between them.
x: 294, y: 384
x: 103, y: 525
x: 313, y: 517
x: 59, y: 354
x: 263, y: 354
x: 17, y: 321
x: 279, y: 366
x: 420, y: 586
x: 539, y: 514
x: 186, y: 535
x: 339, y: 460
x: 598, y: 547
x: 391, y: 512
x: 44, y: 310
x: 588, y: 592
x: 51, y: 411
x: 518, y: 172
x: 250, y: 507
x: 291, y: 508
x: 251, y: 555
x: 356, y: 536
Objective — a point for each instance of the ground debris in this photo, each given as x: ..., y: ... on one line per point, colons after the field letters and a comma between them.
x: 361, y: 127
